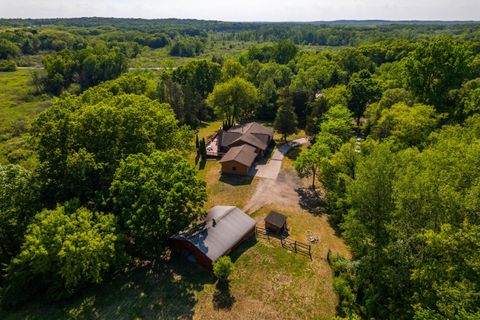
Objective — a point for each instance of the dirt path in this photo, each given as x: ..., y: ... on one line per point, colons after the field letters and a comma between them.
x: 279, y: 192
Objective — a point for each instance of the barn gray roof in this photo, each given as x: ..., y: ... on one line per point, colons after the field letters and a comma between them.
x: 215, y: 240
x: 244, y: 154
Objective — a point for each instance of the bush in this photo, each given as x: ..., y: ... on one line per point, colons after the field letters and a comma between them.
x: 223, y: 268
x: 7, y: 66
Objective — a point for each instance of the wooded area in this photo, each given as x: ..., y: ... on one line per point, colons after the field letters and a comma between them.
x: 102, y: 175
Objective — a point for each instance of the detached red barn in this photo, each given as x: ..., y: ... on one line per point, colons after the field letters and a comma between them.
x: 224, y: 229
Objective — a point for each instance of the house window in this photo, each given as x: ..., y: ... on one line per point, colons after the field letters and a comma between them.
x: 234, y: 168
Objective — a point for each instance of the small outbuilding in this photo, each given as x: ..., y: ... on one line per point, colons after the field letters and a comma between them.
x: 276, y: 222
x: 224, y: 229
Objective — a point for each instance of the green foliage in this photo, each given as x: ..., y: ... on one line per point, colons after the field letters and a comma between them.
x: 19, y: 200
x: 286, y: 121
x: 223, y: 268
x: 362, y: 89
x: 308, y: 164
x: 187, y: 47
x: 353, y: 61
x: 447, y: 273
x: 81, y: 140
x: 64, y: 250
x: 435, y: 67
x: 407, y: 125
x: 8, y: 66
x: 8, y: 49
x: 337, y: 121
x: 466, y: 99
x: 156, y: 196
x: 235, y: 99
x: 87, y: 67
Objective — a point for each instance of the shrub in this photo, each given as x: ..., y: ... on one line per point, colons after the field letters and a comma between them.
x: 223, y: 268
x: 7, y: 66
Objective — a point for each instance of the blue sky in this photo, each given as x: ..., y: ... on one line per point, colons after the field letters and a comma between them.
x: 247, y: 10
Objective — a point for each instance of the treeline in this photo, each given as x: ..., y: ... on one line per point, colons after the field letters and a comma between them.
x: 404, y: 191
x: 332, y: 34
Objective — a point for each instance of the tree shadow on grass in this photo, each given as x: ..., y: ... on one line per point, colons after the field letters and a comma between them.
x: 235, y: 180
x: 245, y: 246
x: 293, y: 153
x: 222, y: 297
x: 165, y: 291
x: 312, y: 200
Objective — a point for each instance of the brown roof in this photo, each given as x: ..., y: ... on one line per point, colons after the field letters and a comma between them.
x: 244, y: 154
x: 262, y: 134
x: 227, y: 138
x: 252, y: 140
x: 252, y: 127
x: 276, y: 219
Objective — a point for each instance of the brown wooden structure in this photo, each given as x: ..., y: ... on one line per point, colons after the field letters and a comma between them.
x: 276, y: 222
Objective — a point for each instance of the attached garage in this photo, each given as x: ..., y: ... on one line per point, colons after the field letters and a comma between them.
x: 224, y: 229
x: 238, y: 160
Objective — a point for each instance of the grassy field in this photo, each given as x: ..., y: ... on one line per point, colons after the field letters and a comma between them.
x: 156, y: 58
x: 18, y: 107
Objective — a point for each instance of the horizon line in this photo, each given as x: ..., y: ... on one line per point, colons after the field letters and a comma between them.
x: 251, y: 21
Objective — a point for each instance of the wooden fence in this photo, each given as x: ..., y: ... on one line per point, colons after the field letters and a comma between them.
x: 287, y: 243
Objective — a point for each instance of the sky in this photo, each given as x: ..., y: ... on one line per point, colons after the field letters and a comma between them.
x: 246, y: 10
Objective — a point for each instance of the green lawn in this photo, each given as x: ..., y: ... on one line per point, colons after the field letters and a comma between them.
x: 18, y: 107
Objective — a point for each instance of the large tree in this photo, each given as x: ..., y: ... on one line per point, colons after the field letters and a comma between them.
x: 408, y: 125
x: 435, y: 67
x: 286, y: 121
x: 235, y: 99
x: 64, y: 250
x: 308, y: 164
x: 362, y: 89
x: 156, y: 196
x: 81, y: 140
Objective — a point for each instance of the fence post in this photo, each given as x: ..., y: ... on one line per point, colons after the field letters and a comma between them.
x: 295, y: 246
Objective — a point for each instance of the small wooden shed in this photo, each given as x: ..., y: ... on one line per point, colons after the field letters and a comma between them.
x: 276, y: 222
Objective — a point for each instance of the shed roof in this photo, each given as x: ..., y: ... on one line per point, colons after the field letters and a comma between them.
x: 276, y: 219
x: 244, y: 154
x: 216, y: 239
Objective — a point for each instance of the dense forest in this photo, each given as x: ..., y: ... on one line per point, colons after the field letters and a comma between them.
x: 393, y: 112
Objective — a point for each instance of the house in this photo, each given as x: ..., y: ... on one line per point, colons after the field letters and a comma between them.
x: 224, y: 229
x: 242, y: 144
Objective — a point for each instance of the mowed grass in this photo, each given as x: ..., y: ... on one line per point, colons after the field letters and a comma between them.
x: 18, y: 108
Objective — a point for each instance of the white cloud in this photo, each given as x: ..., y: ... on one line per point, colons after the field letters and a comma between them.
x: 247, y: 10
